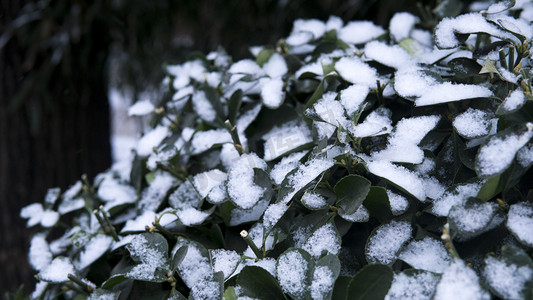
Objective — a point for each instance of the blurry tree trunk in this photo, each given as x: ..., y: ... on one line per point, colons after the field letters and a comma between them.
x: 49, y: 141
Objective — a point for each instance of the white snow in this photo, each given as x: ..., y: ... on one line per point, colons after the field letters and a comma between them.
x: 151, y: 139
x: 460, y: 283
x: 359, y: 32
x: 204, y: 140
x: 275, y: 66
x: 273, y: 213
x: 428, y: 254
x: 472, y: 123
x: 37, y: 215
x: 514, y: 101
x: 448, y: 92
x: 404, y: 140
x: 97, y: 246
x: 272, y: 92
x: 525, y: 155
x: 115, y: 193
x: 360, y: 215
x: 155, y: 193
x: 313, y: 200
x: 287, y: 164
x: 150, y: 258
x: 520, y: 222
x: 496, y: 155
x: 398, y: 203
x: 291, y: 272
x: 57, y: 270
x: 475, y: 218
x: 141, y: 108
x: 401, y: 25
x: 386, y: 241
x: 225, y: 261
x: 241, y: 187
x: 331, y: 110
x: 467, y: 23
x: 139, y: 223
x: 39, y: 254
x: 378, y: 122
x: 206, y: 181
x: 353, y: 96
x: 284, y: 138
x: 246, y: 66
x: 322, y: 282
x: 507, y: 279
x: 353, y: 70
x: 419, y: 286
x: 401, y: 176
x: 455, y: 196
x: 203, y: 107
x: 393, y: 56
x: 197, y: 273
x: 191, y: 216
x: 183, y: 73
x: 322, y: 239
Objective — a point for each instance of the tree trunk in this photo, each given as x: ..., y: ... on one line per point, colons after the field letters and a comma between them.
x: 46, y: 142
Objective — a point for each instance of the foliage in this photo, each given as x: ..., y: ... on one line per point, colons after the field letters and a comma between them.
x: 347, y: 162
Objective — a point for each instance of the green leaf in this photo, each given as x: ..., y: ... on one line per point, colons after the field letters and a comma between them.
x: 520, y: 262
x: 234, y: 104
x: 340, y: 290
x: 334, y: 265
x: 351, y: 191
x: 489, y: 67
x: 464, y: 67
x: 264, y: 55
x: 256, y: 282
x: 377, y: 204
x: 288, y: 261
x: 229, y: 293
x: 314, y: 98
x: 114, y: 280
x: 370, y: 283
x: 178, y: 257
x: 410, y: 45
x: 448, y: 8
x: 487, y: 215
x: 175, y: 295
x: 490, y: 188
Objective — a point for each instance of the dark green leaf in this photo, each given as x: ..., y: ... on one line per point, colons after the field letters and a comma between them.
x: 256, y: 282
x: 490, y: 188
x: 377, y: 204
x: 351, y: 191
x: 114, y: 280
x: 234, y: 104
x: 448, y: 8
x: 178, y: 257
x: 464, y: 67
x: 370, y: 283
x: 340, y: 290
x: 314, y: 98
x: 334, y: 265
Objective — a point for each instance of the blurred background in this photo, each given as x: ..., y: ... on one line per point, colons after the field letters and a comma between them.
x: 70, y: 68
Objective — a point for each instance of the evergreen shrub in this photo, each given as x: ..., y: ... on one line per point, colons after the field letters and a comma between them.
x: 349, y: 161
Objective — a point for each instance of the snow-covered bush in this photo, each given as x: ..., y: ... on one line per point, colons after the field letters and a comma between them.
x: 348, y: 162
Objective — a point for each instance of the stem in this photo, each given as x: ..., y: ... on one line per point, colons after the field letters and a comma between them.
x: 234, y: 136
x: 503, y: 62
x: 84, y: 286
x: 246, y: 237
x: 511, y: 58
x: 448, y: 241
x: 110, y: 226
x: 163, y: 230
